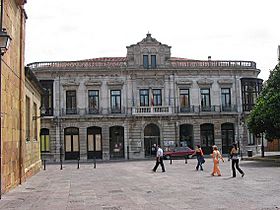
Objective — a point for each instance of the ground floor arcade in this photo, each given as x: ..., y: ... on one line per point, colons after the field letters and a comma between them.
x: 106, y: 139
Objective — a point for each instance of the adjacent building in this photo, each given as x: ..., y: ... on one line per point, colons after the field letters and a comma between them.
x: 20, y: 103
x: 118, y: 107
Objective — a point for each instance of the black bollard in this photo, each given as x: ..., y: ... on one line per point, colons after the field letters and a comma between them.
x: 186, y: 159
x: 60, y: 164
x: 170, y: 160
x: 78, y: 167
x: 127, y: 149
x: 94, y: 162
x: 60, y: 156
x: 44, y: 161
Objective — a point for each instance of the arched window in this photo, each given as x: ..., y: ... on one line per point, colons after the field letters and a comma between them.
x: 116, y: 142
x: 151, y: 138
x: 72, y: 144
x: 207, y: 137
x: 227, y: 137
x: 186, y: 135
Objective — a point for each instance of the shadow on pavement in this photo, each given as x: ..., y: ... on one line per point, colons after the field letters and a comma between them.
x: 260, y: 164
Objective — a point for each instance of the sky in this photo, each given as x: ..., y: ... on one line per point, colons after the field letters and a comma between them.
x: 64, y: 30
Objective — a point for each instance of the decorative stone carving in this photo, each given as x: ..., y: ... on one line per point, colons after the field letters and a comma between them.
x: 205, y: 82
x: 225, y: 82
x: 70, y: 83
x: 153, y: 50
x: 115, y: 83
x: 184, y: 82
x: 150, y: 82
x: 92, y: 83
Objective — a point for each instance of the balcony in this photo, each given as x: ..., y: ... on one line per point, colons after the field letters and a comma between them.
x: 186, y: 109
x: 70, y: 111
x: 206, y: 109
x: 230, y: 108
x: 92, y: 111
x: 154, y: 110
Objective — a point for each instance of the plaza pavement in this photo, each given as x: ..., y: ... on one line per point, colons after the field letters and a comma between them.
x: 131, y: 185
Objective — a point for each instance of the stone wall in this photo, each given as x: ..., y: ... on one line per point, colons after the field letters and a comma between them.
x: 19, y: 160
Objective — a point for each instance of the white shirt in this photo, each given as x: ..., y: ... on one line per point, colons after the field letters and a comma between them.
x: 159, y: 152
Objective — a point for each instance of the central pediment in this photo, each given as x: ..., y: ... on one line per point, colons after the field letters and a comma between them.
x: 148, y: 47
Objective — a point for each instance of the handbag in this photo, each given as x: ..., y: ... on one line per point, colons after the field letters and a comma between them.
x: 202, y: 160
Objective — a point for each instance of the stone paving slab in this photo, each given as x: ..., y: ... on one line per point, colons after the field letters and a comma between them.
x: 133, y: 186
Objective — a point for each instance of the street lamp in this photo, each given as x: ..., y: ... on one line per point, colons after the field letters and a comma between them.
x: 5, y: 40
x: 42, y: 113
x: 4, y: 45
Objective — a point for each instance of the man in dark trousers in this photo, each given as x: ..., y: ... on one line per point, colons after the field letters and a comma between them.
x: 159, y: 159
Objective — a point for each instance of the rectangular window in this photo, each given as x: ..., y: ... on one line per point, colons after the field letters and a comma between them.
x: 154, y: 61
x: 251, y: 139
x: 251, y: 89
x: 144, y: 97
x: 115, y: 101
x: 184, y: 100
x: 205, y: 99
x: 35, y: 127
x: 27, y: 118
x: 226, y: 99
x: 71, y: 104
x: 157, y: 100
x: 146, y: 61
x: 47, y: 97
x: 93, y: 101
x: 45, y: 140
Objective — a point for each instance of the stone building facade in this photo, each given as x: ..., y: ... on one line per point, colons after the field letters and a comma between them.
x: 119, y: 107
x: 19, y: 158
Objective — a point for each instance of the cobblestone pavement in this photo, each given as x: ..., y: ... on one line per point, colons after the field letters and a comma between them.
x: 133, y: 185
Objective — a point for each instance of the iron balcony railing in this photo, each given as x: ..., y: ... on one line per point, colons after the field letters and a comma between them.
x: 122, y: 63
x: 206, y: 109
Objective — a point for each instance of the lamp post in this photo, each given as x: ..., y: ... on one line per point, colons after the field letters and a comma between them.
x: 4, y: 45
x: 262, y: 146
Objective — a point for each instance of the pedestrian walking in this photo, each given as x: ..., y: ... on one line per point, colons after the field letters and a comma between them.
x: 216, y: 155
x: 154, y: 150
x: 159, y: 159
x: 235, y: 161
x: 199, y: 156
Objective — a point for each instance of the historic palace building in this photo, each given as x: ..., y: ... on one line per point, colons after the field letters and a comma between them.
x: 118, y: 107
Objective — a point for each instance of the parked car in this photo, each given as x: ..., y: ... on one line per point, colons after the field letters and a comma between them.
x: 185, y: 152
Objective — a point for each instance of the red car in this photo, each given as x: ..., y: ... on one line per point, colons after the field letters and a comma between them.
x: 178, y: 152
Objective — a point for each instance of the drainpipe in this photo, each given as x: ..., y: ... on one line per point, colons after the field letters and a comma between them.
x: 1, y: 19
x: 21, y: 96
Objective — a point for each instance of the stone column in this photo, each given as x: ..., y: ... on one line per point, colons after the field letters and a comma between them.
x: 105, y: 143
x: 218, y: 135
x: 83, y: 142
x: 196, y: 134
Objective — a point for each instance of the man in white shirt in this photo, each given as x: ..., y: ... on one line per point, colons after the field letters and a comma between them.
x: 159, y: 159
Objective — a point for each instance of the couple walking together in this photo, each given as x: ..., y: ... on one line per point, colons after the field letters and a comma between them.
x: 216, y: 155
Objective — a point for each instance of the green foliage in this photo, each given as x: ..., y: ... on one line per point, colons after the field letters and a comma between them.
x: 265, y: 116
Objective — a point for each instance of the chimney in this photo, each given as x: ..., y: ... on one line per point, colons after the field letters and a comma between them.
x: 209, y: 58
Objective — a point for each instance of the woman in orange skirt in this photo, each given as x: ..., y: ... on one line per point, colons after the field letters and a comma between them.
x: 216, y: 155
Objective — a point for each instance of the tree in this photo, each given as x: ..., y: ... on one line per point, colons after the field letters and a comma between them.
x: 265, y: 116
